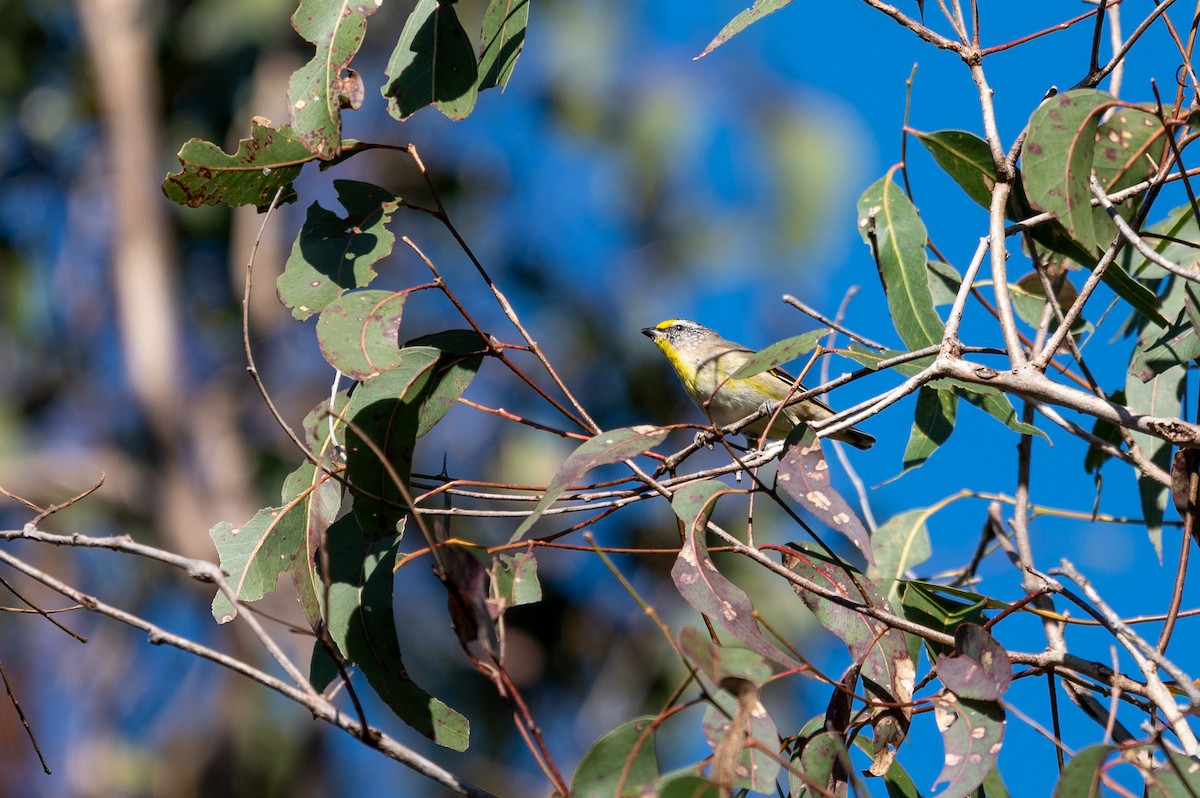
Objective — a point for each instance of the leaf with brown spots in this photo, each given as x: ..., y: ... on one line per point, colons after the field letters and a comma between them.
x: 319, y: 90
x: 803, y: 474
x: 266, y: 162
x: 980, y: 669
x: 702, y: 585
x: 887, y: 670
x: 972, y: 732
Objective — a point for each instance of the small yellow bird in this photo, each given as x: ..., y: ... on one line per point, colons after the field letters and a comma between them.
x: 704, y: 362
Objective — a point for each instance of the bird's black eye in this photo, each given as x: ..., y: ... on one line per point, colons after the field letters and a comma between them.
x: 677, y: 327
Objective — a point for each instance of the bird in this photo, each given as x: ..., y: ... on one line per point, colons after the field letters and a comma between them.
x: 704, y: 362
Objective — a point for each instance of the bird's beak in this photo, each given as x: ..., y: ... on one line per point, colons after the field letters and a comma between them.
x: 651, y: 332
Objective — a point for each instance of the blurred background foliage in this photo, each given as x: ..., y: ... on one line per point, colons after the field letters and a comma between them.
x: 600, y: 200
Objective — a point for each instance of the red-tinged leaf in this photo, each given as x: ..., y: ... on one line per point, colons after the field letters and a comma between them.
x: 319, y: 90
x: 704, y: 587
x: 980, y: 669
x: 887, y: 670
x: 760, y: 9
x: 972, y: 732
x: 603, y: 449
x: 803, y: 474
x: 359, y: 332
x: 779, y: 353
x: 743, y: 738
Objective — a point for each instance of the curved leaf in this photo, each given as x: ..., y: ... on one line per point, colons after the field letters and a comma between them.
x: 384, y: 410
x: 760, y: 9
x: 603, y: 449
x: 622, y: 758
x: 779, y: 353
x: 332, y: 255
x: 318, y: 91
x: 705, y: 588
x: 433, y: 63
x: 278, y: 540
x: 933, y: 421
x: 899, y: 239
x: 887, y: 669
x: 361, y: 620
x: 1057, y: 160
x: 359, y: 332
x: 264, y: 163
x: 1081, y: 777
x: 899, y: 544
x: 972, y: 732
x: 803, y: 474
x: 503, y: 37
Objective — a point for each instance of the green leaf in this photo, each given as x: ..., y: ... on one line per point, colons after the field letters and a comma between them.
x: 1105, y: 431
x: 803, y: 474
x: 899, y: 544
x: 1177, y: 345
x: 944, y: 282
x: 999, y: 407
x: 966, y: 158
x: 359, y: 332
x: 384, y: 410
x: 515, y: 580
x: 1058, y: 156
x: 760, y: 9
x: 361, y: 620
x: 686, y: 785
x: 266, y: 162
x: 278, y: 540
x: 779, y: 353
x: 933, y: 422
x: 331, y: 254
x: 461, y: 355
x: 324, y: 431
x: 900, y: 240
x: 318, y: 91
x: 603, y: 449
x: 925, y: 604
x: 816, y: 762
x: 1081, y: 777
x: 1162, y: 395
x: 503, y: 37
x: 433, y: 63
x: 704, y: 587
x: 972, y: 732
x: 623, y: 757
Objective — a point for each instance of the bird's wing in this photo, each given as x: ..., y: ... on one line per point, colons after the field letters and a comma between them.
x: 780, y: 374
